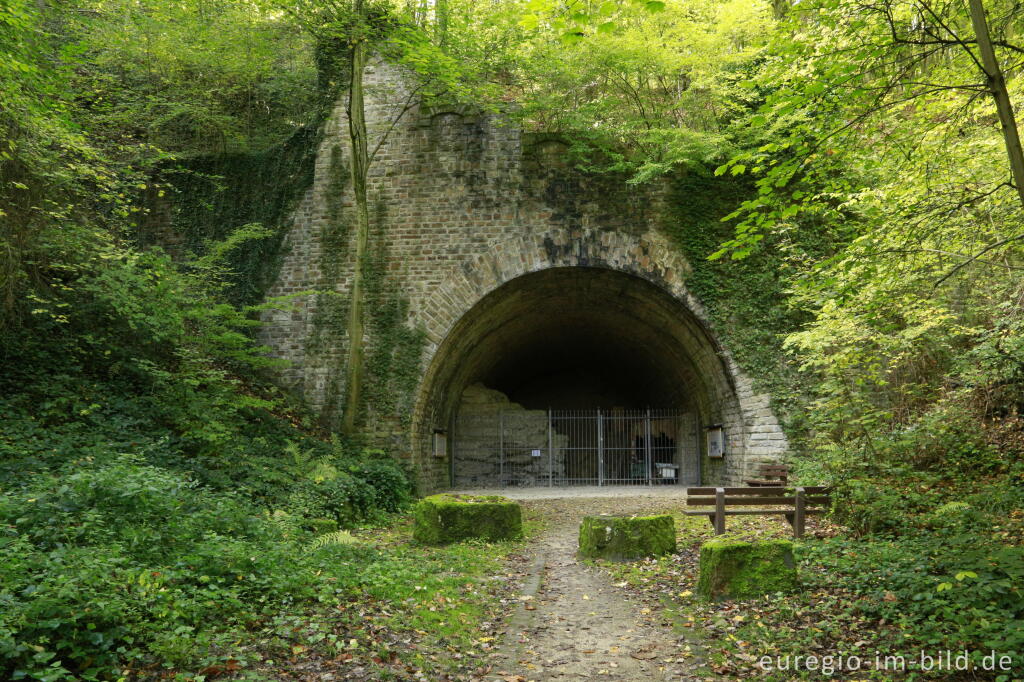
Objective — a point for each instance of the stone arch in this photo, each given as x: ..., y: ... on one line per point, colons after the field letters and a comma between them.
x: 468, y: 213
x: 630, y: 288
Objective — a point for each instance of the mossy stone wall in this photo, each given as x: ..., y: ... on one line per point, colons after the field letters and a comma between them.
x: 463, y: 204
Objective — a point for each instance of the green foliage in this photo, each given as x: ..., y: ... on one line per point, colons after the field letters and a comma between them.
x: 871, y: 506
x: 114, y: 564
x: 940, y: 588
x: 159, y: 499
x: 339, y: 537
x: 211, y: 198
x: 743, y: 299
x: 637, y: 88
x: 163, y: 557
x: 878, y: 197
x: 394, y: 359
x: 189, y: 77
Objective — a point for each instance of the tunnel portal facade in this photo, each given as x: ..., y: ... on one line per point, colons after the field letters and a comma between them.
x: 529, y: 325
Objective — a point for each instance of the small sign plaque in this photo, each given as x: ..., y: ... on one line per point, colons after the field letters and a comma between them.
x: 535, y: 453
x: 716, y: 441
x: 440, y: 443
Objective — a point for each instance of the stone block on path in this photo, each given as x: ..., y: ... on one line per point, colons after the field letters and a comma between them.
x: 626, y: 538
x: 443, y: 519
x: 733, y: 569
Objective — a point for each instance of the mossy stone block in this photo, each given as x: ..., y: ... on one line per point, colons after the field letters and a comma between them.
x: 443, y: 519
x: 732, y: 569
x: 625, y: 538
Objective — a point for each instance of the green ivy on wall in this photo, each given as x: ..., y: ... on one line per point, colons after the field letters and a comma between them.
x: 745, y: 299
x: 395, y: 349
x: 212, y: 196
x: 393, y: 363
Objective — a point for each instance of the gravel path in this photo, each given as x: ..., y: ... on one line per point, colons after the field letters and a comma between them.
x: 573, y: 623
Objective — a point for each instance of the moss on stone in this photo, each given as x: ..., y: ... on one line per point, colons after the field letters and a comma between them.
x: 625, y: 538
x: 733, y: 569
x: 442, y: 519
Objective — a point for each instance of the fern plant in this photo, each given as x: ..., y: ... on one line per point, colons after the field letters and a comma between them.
x: 305, y: 466
x: 340, y: 537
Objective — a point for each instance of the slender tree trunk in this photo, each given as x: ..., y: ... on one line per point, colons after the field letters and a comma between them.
x: 441, y: 21
x: 997, y: 86
x: 360, y: 164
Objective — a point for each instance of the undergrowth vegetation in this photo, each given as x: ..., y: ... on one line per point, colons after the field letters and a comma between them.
x: 157, y: 498
x: 936, y: 587
x: 127, y: 570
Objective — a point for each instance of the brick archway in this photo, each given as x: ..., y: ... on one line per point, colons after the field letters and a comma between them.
x: 628, y: 288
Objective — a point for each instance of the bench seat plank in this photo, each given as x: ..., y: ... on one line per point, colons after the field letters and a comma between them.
x: 774, y: 499
x: 808, y: 489
x: 745, y: 512
x: 795, y: 503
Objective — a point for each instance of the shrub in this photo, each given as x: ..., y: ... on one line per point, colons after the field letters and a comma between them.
x: 391, y: 488
x: 942, y: 588
x: 876, y: 506
x: 344, y: 498
x: 123, y: 563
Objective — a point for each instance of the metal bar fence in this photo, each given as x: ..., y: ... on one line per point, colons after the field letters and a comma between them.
x: 575, y: 447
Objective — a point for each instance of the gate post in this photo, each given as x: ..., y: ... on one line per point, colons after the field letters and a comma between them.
x: 501, y: 448
x: 648, y: 457
x: 600, y: 449
x: 551, y: 454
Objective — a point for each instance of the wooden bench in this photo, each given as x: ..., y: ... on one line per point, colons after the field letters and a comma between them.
x: 796, y: 503
x: 772, y: 475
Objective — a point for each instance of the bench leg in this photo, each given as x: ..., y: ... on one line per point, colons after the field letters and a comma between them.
x: 719, y: 511
x: 798, y: 513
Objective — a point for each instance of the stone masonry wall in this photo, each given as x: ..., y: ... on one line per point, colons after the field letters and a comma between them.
x: 460, y: 204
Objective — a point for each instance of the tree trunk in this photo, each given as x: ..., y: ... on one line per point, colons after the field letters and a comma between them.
x: 997, y: 86
x: 441, y: 21
x: 360, y: 164
x: 780, y: 8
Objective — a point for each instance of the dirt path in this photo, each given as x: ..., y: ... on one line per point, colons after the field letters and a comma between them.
x: 574, y: 624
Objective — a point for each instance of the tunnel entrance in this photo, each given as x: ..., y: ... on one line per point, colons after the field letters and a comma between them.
x: 575, y: 375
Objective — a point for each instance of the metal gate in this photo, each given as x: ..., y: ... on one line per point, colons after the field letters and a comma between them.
x: 575, y: 447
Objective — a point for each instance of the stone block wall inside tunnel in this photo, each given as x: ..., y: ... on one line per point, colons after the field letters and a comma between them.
x: 492, y: 262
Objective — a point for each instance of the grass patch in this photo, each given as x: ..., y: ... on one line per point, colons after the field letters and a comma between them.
x: 411, y: 609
